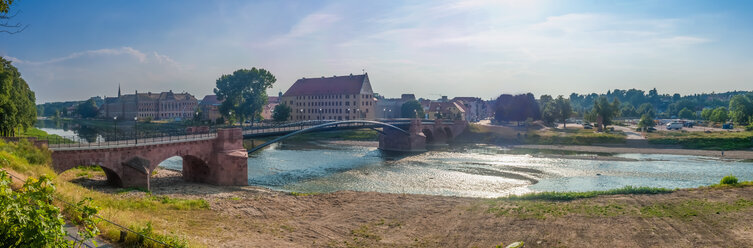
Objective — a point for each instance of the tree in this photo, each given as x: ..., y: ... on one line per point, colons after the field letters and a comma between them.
x: 628, y: 110
x: 87, y: 109
x: 549, y: 113
x: 516, y: 108
x: 564, y: 110
x: 686, y: 114
x: 646, y: 122
x: 646, y: 109
x: 740, y: 109
x: 244, y: 93
x: 706, y: 113
x: 411, y: 109
x: 282, y: 112
x: 720, y: 115
x: 605, y: 111
x: 17, y: 109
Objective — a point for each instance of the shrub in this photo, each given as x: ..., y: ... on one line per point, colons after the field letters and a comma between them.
x: 729, y: 180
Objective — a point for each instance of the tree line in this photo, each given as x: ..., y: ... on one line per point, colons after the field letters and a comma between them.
x: 17, y: 109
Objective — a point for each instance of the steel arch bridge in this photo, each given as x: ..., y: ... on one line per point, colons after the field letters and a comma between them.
x: 329, y: 125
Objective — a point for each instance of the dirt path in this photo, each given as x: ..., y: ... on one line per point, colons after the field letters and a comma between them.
x: 256, y: 217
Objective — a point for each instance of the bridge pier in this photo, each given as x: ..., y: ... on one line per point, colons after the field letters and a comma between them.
x: 394, y: 140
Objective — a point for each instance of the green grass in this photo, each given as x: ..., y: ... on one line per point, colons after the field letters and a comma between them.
x: 53, y: 138
x: 573, y: 136
x: 701, y: 140
x: 692, y: 208
x: 569, y: 196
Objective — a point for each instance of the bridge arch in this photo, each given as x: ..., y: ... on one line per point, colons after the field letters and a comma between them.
x: 429, y: 135
x: 326, y: 125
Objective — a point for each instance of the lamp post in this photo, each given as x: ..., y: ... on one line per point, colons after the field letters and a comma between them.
x: 115, y: 121
x: 415, y: 113
x: 391, y: 114
x: 230, y: 117
x: 384, y: 113
x: 136, y: 128
x: 320, y: 114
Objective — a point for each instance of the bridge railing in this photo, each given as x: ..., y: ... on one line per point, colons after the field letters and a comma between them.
x: 118, y: 140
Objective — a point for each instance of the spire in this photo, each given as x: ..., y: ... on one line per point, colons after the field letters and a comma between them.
x: 118, y: 90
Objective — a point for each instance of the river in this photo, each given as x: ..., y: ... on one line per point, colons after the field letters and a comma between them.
x: 472, y: 170
x: 461, y: 170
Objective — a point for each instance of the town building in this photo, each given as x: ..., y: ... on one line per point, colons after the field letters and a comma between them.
x: 331, y: 98
x: 269, y: 109
x: 209, y: 108
x: 448, y: 110
x: 389, y: 108
x: 475, y: 108
x: 157, y: 106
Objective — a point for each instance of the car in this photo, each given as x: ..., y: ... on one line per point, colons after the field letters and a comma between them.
x: 674, y: 125
x: 587, y: 126
x: 728, y: 126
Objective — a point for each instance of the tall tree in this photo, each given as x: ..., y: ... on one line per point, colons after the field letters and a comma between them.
x: 605, y: 111
x: 564, y: 110
x: 411, y: 109
x: 244, y: 93
x: 281, y: 112
x: 740, y: 109
x: 719, y: 115
x: 686, y: 114
x: 17, y: 109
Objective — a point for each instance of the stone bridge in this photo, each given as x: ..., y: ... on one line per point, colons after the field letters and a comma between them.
x: 219, y: 160
x: 420, y: 134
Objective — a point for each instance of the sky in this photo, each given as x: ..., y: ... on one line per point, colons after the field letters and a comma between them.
x: 72, y: 50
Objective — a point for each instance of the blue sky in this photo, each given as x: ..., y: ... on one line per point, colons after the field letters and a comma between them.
x: 76, y: 49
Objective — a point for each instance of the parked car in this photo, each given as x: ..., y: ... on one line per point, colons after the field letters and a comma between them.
x: 587, y: 126
x: 674, y: 125
x: 728, y: 126
x: 688, y: 124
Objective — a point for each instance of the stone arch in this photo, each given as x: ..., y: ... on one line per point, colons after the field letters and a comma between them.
x: 448, y: 132
x: 195, y: 169
x: 429, y: 135
x: 112, y: 177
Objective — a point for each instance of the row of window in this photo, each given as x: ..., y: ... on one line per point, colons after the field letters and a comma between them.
x: 317, y: 104
x: 328, y: 111
x: 339, y: 117
x: 331, y: 97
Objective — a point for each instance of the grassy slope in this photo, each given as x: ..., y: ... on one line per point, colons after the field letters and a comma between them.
x: 507, y: 135
x: 135, y: 212
x: 34, y: 132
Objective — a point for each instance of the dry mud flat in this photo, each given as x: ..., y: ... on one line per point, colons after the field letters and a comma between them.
x: 256, y: 217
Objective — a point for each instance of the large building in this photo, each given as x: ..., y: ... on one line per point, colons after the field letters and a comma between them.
x: 209, y: 108
x: 331, y: 98
x: 157, y: 106
x: 388, y: 108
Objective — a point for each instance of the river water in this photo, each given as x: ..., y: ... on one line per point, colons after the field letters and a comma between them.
x: 472, y: 170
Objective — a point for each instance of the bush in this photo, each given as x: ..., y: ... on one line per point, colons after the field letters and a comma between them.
x: 729, y: 180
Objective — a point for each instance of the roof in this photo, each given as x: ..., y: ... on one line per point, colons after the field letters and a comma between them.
x: 210, y: 100
x: 273, y: 99
x: 336, y: 85
x: 444, y: 106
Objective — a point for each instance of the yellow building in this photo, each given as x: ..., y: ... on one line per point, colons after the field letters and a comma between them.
x: 331, y: 98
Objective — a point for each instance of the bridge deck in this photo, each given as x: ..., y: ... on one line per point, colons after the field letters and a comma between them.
x: 132, y: 142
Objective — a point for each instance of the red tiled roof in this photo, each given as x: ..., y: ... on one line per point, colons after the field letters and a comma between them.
x: 273, y: 99
x: 210, y: 100
x: 327, y: 86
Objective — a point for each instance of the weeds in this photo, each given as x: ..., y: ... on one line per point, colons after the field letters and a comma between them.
x: 569, y: 196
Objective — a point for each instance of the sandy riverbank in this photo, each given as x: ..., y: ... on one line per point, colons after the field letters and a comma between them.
x: 737, y: 154
x: 256, y: 217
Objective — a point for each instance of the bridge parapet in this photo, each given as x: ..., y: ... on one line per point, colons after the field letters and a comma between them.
x: 220, y: 160
x: 393, y: 140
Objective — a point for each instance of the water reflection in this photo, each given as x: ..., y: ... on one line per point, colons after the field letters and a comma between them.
x: 473, y: 171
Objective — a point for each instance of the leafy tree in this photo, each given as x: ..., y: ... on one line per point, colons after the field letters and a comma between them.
x: 646, y: 109
x: 628, y: 110
x: 411, y: 109
x: 282, y: 112
x: 549, y: 113
x: 720, y: 115
x: 706, y: 113
x: 17, y: 109
x: 564, y: 110
x: 87, y: 109
x: 605, y: 111
x: 740, y: 109
x: 646, y: 122
x: 686, y: 114
x: 516, y: 108
x: 244, y: 93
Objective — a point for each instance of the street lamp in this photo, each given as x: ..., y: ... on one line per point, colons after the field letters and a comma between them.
x: 320, y: 114
x: 384, y: 113
x: 115, y: 120
x: 415, y: 113
x: 391, y: 114
x: 229, y: 117
x: 136, y: 128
